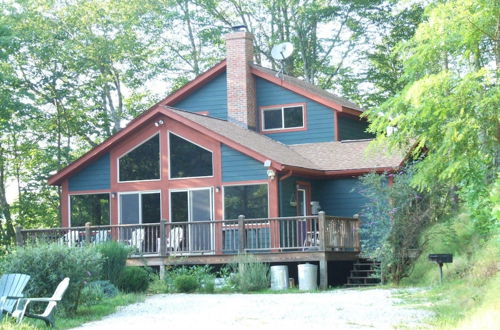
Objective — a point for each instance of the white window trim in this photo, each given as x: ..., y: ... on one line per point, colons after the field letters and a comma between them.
x: 130, y: 150
x: 140, y: 193
x: 91, y: 193
x: 240, y: 184
x: 282, y: 109
x: 196, y: 144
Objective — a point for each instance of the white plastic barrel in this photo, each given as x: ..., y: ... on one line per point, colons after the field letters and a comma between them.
x: 279, y: 277
x: 308, y: 277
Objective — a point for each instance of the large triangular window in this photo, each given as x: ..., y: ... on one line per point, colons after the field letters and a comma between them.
x: 188, y: 160
x: 142, y: 162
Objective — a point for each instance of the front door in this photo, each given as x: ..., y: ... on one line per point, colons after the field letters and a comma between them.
x: 195, y: 207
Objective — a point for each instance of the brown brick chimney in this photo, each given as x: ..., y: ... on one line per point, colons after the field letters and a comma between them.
x: 241, y: 99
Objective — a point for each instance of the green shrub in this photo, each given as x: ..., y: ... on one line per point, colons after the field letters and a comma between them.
x: 202, y: 274
x: 186, y: 283
x: 115, y: 256
x: 249, y: 274
x: 158, y: 285
x: 95, y: 292
x: 134, y: 279
x: 50, y: 264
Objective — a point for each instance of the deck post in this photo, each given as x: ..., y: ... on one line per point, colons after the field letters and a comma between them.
x: 241, y: 232
x: 322, y: 230
x: 323, y: 273
x: 163, y: 233
x: 162, y: 271
x: 87, y: 233
x: 19, y: 236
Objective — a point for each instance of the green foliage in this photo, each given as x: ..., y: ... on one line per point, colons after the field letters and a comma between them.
x: 448, y: 108
x: 202, y: 275
x: 134, y: 279
x: 95, y: 292
x: 114, y: 258
x: 49, y: 264
x: 395, y: 217
x: 186, y: 283
x: 468, y: 297
x: 249, y: 274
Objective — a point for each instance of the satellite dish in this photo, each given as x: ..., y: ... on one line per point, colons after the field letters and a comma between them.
x: 282, y: 51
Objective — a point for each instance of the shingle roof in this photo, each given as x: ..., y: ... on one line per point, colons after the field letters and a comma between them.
x: 326, y: 156
x: 347, y: 155
x: 311, y: 88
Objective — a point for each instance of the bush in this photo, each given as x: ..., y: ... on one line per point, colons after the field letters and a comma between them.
x: 158, y: 285
x: 50, y: 264
x: 186, y: 283
x: 203, y: 275
x: 250, y: 275
x: 95, y: 292
x: 134, y: 279
x: 115, y: 256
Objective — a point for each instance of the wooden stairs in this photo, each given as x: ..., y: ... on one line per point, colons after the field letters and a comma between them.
x: 365, y: 272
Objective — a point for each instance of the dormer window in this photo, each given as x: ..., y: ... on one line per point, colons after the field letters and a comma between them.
x: 282, y: 117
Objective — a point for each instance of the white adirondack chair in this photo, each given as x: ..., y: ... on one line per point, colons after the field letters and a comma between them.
x: 22, y: 306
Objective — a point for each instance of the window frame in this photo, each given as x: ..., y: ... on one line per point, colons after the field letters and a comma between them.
x: 237, y: 184
x: 132, y: 149
x: 140, y: 193
x: 89, y: 193
x: 196, y: 144
x: 282, y: 108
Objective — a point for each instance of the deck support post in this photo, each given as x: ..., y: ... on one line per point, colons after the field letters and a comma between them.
x: 87, y: 233
x: 162, y: 271
x: 163, y: 233
x: 322, y: 231
x: 323, y: 274
x: 241, y: 232
x: 19, y: 236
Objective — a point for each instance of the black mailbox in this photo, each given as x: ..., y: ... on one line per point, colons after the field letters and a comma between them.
x: 440, y: 259
x: 445, y: 258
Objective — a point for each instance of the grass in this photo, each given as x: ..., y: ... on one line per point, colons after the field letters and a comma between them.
x: 469, y: 297
x: 84, y: 314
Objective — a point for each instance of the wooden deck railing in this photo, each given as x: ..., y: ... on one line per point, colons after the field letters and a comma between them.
x: 307, y: 233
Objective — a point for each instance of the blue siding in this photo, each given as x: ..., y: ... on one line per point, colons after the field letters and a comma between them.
x: 211, y: 97
x: 239, y: 167
x: 320, y: 119
x: 353, y: 129
x: 94, y: 176
x: 340, y: 197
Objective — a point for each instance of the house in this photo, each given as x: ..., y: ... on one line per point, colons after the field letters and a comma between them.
x: 237, y: 140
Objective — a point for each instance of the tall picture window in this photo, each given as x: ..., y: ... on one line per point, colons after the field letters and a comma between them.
x: 93, y: 208
x: 248, y: 200
x: 283, y: 117
x: 187, y: 159
x: 142, y: 162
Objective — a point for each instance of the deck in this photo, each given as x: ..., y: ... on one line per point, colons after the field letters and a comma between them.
x: 318, y: 238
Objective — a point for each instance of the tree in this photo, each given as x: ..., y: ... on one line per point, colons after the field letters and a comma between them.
x: 448, y: 109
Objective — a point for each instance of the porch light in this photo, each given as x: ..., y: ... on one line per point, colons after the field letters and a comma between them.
x: 159, y: 123
x: 271, y: 174
x: 113, y: 195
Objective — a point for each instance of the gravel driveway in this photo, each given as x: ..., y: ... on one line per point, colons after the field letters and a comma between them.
x: 338, y: 309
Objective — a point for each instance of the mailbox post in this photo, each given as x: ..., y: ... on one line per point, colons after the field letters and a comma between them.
x: 441, y: 259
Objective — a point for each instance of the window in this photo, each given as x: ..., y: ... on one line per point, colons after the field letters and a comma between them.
x: 283, y: 117
x: 249, y: 200
x: 142, y: 163
x: 142, y: 207
x: 93, y: 208
x: 188, y: 160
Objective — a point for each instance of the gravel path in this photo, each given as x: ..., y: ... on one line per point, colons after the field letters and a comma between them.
x: 338, y: 309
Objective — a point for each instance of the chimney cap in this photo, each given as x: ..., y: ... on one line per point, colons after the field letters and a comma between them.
x: 238, y: 28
